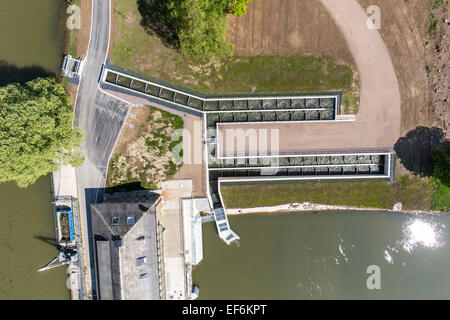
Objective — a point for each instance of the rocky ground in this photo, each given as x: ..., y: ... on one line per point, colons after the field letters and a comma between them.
x: 437, y: 58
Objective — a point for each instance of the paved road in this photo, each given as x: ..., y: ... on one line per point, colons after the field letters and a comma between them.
x: 101, y: 117
x: 377, y: 124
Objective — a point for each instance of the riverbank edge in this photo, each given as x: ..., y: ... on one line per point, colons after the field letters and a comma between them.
x: 79, y: 38
x: 310, y: 207
x: 76, y: 43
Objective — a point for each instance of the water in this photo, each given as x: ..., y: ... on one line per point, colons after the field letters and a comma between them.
x: 32, y: 43
x: 326, y: 256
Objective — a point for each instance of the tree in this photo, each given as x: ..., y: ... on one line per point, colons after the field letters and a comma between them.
x: 201, y: 27
x: 36, y: 135
x: 238, y: 7
x: 441, y: 179
x: 441, y: 164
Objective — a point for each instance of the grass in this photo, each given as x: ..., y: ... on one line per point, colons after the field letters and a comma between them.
x: 436, y: 4
x: 433, y: 22
x: 413, y: 192
x: 136, y: 50
x: 158, y: 144
x: 441, y: 196
x: 73, y: 36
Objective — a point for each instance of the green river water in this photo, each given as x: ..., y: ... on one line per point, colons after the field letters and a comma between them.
x: 32, y: 43
x: 326, y: 255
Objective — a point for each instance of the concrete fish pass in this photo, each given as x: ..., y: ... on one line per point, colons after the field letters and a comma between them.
x: 230, y: 108
x: 262, y: 109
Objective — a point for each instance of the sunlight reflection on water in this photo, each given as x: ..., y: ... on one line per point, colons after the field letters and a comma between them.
x: 420, y: 233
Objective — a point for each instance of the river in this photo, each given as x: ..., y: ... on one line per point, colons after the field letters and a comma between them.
x: 32, y: 37
x: 295, y: 256
x: 326, y: 255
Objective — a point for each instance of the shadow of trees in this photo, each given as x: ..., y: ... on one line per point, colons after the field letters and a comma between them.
x: 157, y: 21
x: 415, y: 149
x: 12, y: 74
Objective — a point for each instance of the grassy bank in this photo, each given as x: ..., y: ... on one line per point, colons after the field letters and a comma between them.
x: 72, y: 34
x: 135, y: 49
x: 413, y: 192
x: 146, y: 158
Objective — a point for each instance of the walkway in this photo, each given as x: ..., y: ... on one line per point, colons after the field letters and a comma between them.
x: 101, y: 117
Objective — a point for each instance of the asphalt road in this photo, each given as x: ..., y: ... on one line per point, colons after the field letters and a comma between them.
x: 101, y: 117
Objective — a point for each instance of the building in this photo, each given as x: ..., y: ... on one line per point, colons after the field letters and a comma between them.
x: 125, y: 247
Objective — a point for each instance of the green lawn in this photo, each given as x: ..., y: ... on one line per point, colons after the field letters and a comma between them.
x: 415, y: 193
x: 136, y: 50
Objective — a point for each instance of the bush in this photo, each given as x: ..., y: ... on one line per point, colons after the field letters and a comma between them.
x: 238, y: 7
x: 441, y: 179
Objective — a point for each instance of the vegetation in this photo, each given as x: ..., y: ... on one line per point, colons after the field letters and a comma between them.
x: 73, y: 34
x: 201, y: 27
x: 433, y: 22
x: 441, y: 180
x: 147, y: 47
x: 36, y: 136
x: 413, y: 192
x: 425, y: 188
x: 150, y: 157
x: 238, y: 7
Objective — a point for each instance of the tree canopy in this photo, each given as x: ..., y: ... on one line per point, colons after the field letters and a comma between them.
x: 201, y: 25
x: 441, y: 178
x: 36, y: 133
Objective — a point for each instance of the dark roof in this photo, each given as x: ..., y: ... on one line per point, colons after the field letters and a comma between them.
x: 106, y: 235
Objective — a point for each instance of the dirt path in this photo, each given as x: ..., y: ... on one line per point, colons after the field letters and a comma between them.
x: 401, y: 33
x: 377, y: 123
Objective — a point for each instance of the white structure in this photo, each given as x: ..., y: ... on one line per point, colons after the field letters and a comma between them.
x: 72, y: 67
x: 192, y: 224
x: 193, y: 242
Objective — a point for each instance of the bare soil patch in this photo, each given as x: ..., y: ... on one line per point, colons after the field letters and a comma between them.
x: 83, y: 34
x: 144, y: 150
x: 286, y: 28
x: 193, y: 165
x: 404, y: 29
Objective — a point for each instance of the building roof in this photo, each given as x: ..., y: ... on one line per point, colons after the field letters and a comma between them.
x: 122, y: 232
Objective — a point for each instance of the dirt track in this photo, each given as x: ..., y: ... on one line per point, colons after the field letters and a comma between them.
x: 401, y: 32
x: 377, y: 123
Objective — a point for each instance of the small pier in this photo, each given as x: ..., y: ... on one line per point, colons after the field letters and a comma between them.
x: 67, y: 229
x: 72, y: 67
